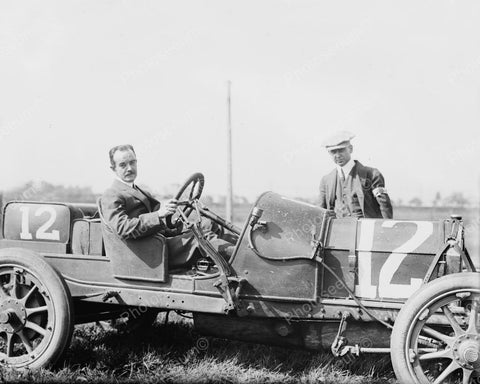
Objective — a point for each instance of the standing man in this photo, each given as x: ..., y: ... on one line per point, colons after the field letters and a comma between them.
x: 133, y: 213
x: 352, y: 189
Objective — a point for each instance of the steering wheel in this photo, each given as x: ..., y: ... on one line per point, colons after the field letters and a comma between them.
x: 190, y: 191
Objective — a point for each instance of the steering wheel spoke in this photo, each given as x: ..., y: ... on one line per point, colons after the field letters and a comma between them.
x: 186, y: 202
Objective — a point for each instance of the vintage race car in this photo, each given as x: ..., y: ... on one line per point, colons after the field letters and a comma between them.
x: 299, y: 277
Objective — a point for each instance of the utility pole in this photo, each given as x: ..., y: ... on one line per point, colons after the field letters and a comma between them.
x: 1, y: 211
x: 229, y: 198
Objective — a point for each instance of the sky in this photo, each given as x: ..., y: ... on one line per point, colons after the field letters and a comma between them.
x: 78, y: 77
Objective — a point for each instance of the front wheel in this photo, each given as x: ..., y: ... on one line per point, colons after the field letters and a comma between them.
x: 36, y: 319
x: 436, y: 335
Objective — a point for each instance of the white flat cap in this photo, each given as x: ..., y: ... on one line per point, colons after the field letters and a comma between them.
x: 338, y: 140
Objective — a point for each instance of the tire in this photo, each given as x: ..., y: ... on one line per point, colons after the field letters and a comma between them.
x: 454, y: 354
x: 36, y: 312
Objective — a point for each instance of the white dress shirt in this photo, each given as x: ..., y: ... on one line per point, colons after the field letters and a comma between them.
x: 124, y: 182
x: 347, y: 168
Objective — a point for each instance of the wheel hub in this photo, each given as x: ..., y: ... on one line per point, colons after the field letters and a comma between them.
x: 12, y: 316
x: 466, y: 351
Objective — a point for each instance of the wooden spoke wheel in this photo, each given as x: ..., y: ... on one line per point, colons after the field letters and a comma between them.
x: 36, y: 320
x: 436, y: 335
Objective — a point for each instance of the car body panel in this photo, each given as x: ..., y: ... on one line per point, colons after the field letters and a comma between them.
x: 379, y: 259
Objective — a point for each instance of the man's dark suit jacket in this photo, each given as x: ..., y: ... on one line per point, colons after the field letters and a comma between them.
x: 129, y: 212
x: 132, y: 214
x: 365, y: 180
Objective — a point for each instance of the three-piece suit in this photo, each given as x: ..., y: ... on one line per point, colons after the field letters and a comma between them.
x: 362, y: 193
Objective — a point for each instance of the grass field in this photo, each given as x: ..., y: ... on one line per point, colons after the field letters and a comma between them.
x: 174, y: 352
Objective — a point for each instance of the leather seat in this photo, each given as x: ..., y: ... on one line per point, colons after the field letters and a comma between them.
x: 87, y: 237
x: 142, y: 259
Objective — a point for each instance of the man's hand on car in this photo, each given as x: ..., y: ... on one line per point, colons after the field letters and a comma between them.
x: 168, y: 208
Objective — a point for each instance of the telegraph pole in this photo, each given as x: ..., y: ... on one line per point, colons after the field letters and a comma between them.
x: 229, y: 198
x: 1, y: 211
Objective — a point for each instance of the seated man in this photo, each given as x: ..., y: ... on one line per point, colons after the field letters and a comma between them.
x: 133, y: 213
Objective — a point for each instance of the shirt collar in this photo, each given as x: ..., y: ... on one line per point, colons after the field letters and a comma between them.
x: 347, y: 168
x: 124, y: 182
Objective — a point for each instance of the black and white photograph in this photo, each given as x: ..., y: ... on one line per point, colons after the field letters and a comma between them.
x: 240, y: 192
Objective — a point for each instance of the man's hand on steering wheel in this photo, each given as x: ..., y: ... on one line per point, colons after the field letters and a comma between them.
x: 190, y: 191
x: 187, y: 200
x: 168, y: 208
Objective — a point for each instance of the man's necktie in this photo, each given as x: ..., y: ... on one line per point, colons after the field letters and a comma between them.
x: 342, y: 175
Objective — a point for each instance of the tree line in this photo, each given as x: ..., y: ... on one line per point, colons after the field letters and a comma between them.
x: 45, y: 191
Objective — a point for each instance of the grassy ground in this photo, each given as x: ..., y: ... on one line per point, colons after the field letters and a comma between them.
x: 174, y: 352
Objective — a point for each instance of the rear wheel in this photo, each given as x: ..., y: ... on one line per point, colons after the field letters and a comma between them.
x: 36, y: 320
x: 436, y: 335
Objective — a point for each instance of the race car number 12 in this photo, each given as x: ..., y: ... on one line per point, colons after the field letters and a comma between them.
x: 385, y: 287
x: 42, y: 232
